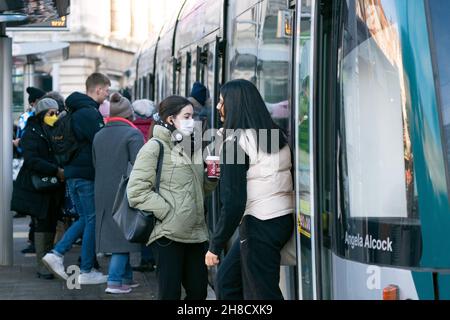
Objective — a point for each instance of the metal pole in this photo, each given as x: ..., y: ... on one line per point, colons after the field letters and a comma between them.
x: 6, y: 226
x: 56, y: 77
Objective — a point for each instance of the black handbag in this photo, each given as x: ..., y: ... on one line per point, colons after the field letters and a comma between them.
x: 136, y: 225
x: 44, y: 184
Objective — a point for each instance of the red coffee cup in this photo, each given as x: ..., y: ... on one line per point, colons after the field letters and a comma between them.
x: 213, y: 164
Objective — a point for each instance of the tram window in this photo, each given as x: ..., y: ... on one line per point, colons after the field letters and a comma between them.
x: 273, y: 66
x: 210, y: 77
x: 180, y: 76
x: 243, y: 58
x: 140, y: 89
x: 151, y: 87
x: 440, y: 34
x: 145, y: 87
x: 271, y: 26
x: 187, y: 81
x: 375, y: 150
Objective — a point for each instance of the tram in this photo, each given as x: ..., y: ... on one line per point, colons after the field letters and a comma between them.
x: 362, y: 87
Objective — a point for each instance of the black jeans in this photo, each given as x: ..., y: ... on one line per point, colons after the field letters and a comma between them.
x: 229, y: 276
x: 254, y: 275
x: 181, y: 264
x: 260, y: 245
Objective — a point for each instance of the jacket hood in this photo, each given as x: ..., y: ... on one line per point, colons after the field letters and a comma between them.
x: 77, y: 101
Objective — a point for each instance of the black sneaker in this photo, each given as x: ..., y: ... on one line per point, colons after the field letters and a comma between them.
x: 45, y: 276
x: 30, y: 249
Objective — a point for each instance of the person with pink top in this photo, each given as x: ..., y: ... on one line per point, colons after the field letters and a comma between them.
x: 143, y: 111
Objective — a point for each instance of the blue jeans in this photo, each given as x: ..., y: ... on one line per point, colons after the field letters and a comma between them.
x: 82, y: 194
x: 120, y: 271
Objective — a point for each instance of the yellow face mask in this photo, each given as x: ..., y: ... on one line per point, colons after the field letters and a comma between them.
x: 50, y: 121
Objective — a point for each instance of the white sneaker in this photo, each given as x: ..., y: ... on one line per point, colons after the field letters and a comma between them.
x: 92, y: 277
x: 56, y: 265
x: 123, y: 289
x: 134, y: 285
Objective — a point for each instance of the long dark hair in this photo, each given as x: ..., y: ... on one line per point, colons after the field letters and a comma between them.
x: 246, y: 109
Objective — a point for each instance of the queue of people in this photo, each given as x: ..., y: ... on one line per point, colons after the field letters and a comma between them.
x: 128, y: 139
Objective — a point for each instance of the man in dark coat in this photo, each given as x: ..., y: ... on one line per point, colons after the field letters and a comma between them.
x: 80, y: 175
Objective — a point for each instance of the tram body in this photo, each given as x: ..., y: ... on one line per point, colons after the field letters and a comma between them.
x: 362, y: 87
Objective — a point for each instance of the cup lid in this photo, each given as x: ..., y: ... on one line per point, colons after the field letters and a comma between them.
x: 212, y: 158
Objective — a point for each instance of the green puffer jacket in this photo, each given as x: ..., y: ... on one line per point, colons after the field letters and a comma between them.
x: 179, y: 205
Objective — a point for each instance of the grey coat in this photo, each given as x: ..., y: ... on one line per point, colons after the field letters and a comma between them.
x: 114, y: 147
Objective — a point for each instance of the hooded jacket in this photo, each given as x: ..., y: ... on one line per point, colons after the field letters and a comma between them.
x: 86, y: 122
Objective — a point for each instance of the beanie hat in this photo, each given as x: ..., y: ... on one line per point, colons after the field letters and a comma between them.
x: 34, y: 94
x: 46, y: 104
x: 144, y: 108
x: 58, y: 98
x: 199, y: 93
x: 120, y: 107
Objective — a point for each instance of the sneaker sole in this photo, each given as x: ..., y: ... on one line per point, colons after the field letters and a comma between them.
x: 88, y: 283
x: 91, y: 283
x: 117, y: 292
x: 61, y: 277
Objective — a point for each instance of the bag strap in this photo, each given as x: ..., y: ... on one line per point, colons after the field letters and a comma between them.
x: 159, y: 165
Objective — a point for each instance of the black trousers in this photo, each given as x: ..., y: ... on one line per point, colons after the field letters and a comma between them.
x: 251, y: 269
x: 228, y: 284
x: 181, y: 264
x: 48, y: 224
x: 32, y: 226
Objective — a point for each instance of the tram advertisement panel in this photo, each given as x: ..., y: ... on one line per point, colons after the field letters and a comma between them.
x: 392, y: 194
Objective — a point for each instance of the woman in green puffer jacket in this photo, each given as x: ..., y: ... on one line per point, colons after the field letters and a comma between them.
x: 181, y: 233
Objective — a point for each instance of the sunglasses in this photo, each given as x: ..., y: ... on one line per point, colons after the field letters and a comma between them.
x: 52, y: 113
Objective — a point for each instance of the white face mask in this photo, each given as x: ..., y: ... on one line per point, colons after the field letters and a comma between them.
x: 187, y: 126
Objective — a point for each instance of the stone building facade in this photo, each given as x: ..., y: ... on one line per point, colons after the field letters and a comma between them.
x: 103, y: 35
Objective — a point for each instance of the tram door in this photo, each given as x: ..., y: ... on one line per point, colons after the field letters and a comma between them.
x: 208, y: 71
x: 315, y: 72
x: 303, y: 91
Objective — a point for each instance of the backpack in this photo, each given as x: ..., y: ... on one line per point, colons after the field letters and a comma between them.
x: 65, y: 144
